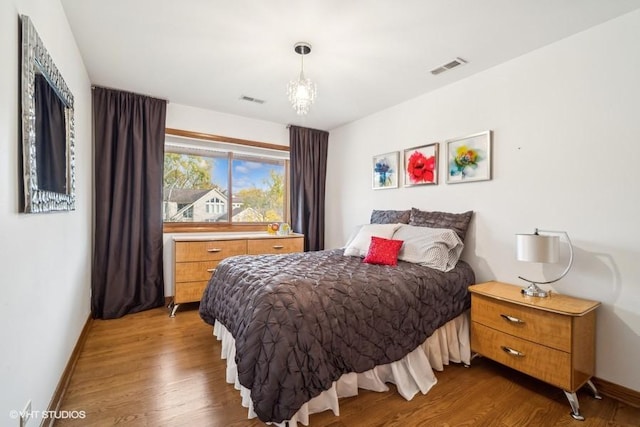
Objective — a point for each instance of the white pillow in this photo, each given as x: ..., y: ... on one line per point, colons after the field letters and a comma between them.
x: 438, y: 248
x: 359, y: 246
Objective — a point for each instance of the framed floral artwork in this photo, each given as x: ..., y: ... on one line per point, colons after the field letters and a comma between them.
x: 469, y: 158
x: 385, y: 170
x: 421, y: 165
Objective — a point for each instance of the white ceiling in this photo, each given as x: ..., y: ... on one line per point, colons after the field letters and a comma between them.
x: 367, y: 54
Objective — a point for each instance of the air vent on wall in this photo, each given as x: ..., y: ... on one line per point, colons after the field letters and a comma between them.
x: 448, y: 66
x: 252, y: 99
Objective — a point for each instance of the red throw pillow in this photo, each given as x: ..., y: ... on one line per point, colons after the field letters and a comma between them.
x: 383, y: 251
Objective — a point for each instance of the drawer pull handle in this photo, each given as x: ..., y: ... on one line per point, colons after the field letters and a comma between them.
x: 511, y: 351
x: 214, y: 250
x: 511, y: 318
x: 210, y: 270
x: 278, y: 247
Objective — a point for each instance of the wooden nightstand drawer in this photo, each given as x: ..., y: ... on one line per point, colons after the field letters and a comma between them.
x: 543, y: 327
x: 192, y: 271
x: 275, y: 246
x: 209, y: 250
x: 545, y: 363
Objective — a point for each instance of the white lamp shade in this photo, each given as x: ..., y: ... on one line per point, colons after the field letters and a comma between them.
x: 537, y: 248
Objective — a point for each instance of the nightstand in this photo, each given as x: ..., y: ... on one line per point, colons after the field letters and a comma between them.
x: 551, y: 339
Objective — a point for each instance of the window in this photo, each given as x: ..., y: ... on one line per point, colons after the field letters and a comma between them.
x: 215, y: 206
x: 185, y: 210
x: 217, y: 182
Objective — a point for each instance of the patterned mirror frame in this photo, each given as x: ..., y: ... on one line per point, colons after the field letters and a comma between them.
x: 35, y: 58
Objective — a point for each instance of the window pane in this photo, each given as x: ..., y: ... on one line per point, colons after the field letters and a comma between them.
x: 195, y: 187
x: 258, y: 189
x: 205, y: 182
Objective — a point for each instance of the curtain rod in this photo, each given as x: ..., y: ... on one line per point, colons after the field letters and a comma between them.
x: 128, y: 91
x: 302, y: 127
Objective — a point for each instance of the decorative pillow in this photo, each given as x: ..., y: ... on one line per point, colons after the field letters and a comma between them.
x: 383, y: 251
x: 437, y: 248
x: 359, y: 246
x: 390, y: 217
x: 456, y: 222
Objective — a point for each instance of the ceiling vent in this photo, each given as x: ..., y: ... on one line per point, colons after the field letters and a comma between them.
x: 448, y: 66
x: 252, y: 99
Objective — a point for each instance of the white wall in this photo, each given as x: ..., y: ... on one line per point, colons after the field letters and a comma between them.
x: 566, y: 122
x: 44, y: 258
x: 212, y: 122
x: 207, y: 121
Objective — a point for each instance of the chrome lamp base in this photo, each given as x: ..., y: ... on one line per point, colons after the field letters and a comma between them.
x: 534, y: 291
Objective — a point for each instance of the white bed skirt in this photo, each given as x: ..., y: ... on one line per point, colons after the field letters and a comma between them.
x: 411, y: 374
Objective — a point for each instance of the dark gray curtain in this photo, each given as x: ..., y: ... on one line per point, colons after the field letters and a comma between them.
x: 308, y: 151
x: 51, y: 139
x: 127, y: 274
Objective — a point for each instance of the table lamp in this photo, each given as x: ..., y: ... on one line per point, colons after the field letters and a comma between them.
x: 545, y: 248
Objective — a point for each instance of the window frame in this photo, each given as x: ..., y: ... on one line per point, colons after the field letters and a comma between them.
x: 189, y: 227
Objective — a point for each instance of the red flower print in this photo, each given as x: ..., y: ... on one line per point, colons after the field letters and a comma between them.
x: 420, y: 168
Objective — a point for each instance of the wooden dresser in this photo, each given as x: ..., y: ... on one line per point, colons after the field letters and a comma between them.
x: 195, y: 257
x: 552, y: 339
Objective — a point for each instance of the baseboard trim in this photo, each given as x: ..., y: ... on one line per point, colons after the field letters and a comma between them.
x: 618, y: 392
x: 63, y: 384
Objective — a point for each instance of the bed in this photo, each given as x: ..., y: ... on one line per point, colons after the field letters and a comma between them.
x: 301, y: 330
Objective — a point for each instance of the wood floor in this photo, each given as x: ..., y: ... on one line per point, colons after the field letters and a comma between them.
x: 149, y: 369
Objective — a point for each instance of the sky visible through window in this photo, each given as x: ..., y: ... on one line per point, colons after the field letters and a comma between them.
x: 246, y: 174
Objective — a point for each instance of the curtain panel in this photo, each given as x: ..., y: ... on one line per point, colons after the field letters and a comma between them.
x: 308, y: 159
x: 127, y: 274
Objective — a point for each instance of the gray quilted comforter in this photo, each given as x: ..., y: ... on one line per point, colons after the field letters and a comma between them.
x: 302, y: 320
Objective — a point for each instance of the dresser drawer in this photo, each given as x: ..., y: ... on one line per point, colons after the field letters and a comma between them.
x: 543, y: 327
x: 547, y: 364
x: 213, y: 250
x: 195, y: 259
x: 275, y: 246
x: 190, y: 291
x: 192, y: 271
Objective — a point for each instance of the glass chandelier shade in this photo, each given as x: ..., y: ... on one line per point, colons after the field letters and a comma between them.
x: 302, y: 92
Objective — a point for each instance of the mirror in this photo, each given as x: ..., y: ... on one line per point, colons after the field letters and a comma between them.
x: 48, y: 161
